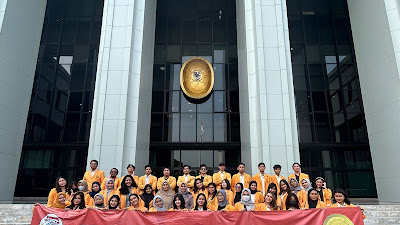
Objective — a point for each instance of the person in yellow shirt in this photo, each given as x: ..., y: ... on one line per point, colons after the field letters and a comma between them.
x: 60, y: 203
x: 206, y: 179
x: 134, y: 201
x: 198, y: 189
x: 127, y: 188
x: 301, y: 194
x: 256, y: 196
x: 147, y: 178
x: 94, y: 174
x: 262, y: 179
x: 226, y: 186
x: 238, y: 193
x: 341, y: 200
x: 245, y: 204
x: 201, y: 203
x: 178, y: 203
x: 313, y: 200
x: 61, y: 186
x: 240, y: 177
x: 131, y: 171
x: 109, y: 191
x: 171, y: 180
x: 284, y: 192
x: 274, y: 190
x: 158, y: 204
x: 324, y: 192
x: 221, y: 175
x: 277, y: 177
x: 223, y: 204
x: 211, y: 196
x: 147, y: 196
x: 186, y: 178
x: 298, y: 175
x: 269, y: 203
x: 89, y: 199
x: 113, y: 176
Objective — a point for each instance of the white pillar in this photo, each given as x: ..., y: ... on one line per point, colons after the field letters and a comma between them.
x: 21, y: 23
x: 267, y: 105
x: 376, y: 33
x: 120, y: 126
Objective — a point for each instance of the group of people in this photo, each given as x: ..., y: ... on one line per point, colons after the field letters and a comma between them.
x: 219, y: 192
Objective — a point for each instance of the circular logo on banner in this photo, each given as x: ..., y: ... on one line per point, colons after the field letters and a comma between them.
x: 197, y: 77
x: 338, y: 219
x: 51, y: 219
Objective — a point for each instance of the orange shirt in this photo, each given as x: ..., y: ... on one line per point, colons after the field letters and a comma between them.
x: 171, y: 181
x: 117, y: 183
x: 207, y: 179
x: 217, y: 178
x: 52, y: 198
x: 152, y: 182
x: 257, y: 178
x: 236, y: 179
x: 302, y: 176
x: 258, y: 198
x: 302, y: 196
x: 98, y: 176
x: 205, y: 192
x: 263, y: 207
x: 189, y: 182
x: 273, y: 179
x: 122, y: 203
x: 320, y: 204
x: 228, y: 207
x: 140, y: 208
x: 107, y: 198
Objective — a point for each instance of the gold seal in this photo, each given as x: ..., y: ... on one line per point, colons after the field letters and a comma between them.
x: 197, y: 77
x: 338, y: 219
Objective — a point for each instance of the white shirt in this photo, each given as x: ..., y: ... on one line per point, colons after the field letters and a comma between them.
x: 186, y: 178
x: 147, y: 179
x: 262, y: 176
x: 241, y: 177
x: 93, y: 172
x: 200, y: 209
x: 222, y: 175
x: 339, y: 205
x: 278, y: 178
x: 253, y: 198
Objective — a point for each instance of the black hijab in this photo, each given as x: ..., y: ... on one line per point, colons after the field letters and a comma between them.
x: 147, y: 198
x: 93, y: 193
x: 238, y: 195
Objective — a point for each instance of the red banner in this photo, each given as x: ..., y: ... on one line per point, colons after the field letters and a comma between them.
x: 349, y: 215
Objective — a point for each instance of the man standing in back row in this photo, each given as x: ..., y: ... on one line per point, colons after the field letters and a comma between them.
x: 240, y: 177
x: 171, y: 180
x: 298, y: 175
x: 94, y: 174
x: 262, y: 179
x: 221, y: 175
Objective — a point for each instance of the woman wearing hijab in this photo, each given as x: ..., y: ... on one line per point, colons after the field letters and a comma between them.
x: 223, y: 204
x: 210, y: 195
x: 226, y: 186
x: 134, y: 202
x: 292, y: 202
x: 166, y: 194
x: 77, y: 202
x: 60, y: 204
x: 183, y: 190
x: 114, y: 202
x: 201, y: 203
x: 301, y: 194
x: 98, y: 200
x: 245, y: 204
x: 109, y: 191
x: 147, y: 196
x: 178, y: 203
x: 325, y: 194
x: 158, y: 204
x: 269, y: 203
x: 89, y: 198
x: 284, y: 191
x: 61, y: 186
x: 313, y: 201
x: 128, y: 187
x: 238, y: 193
x: 256, y: 196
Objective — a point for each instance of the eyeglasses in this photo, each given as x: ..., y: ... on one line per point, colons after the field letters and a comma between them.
x: 203, y: 169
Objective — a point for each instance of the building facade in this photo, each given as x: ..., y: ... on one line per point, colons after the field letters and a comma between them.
x: 307, y: 81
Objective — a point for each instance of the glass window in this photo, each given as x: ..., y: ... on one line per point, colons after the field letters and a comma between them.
x: 205, y: 127
x: 188, y: 127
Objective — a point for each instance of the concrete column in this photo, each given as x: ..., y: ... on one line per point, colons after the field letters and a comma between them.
x: 120, y: 126
x: 267, y: 105
x: 19, y: 46
x: 376, y: 32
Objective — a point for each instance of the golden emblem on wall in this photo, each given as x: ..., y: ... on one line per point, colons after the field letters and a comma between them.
x: 338, y: 219
x: 197, y: 77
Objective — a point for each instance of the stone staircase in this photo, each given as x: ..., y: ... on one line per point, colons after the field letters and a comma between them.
x: 376, y: 214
